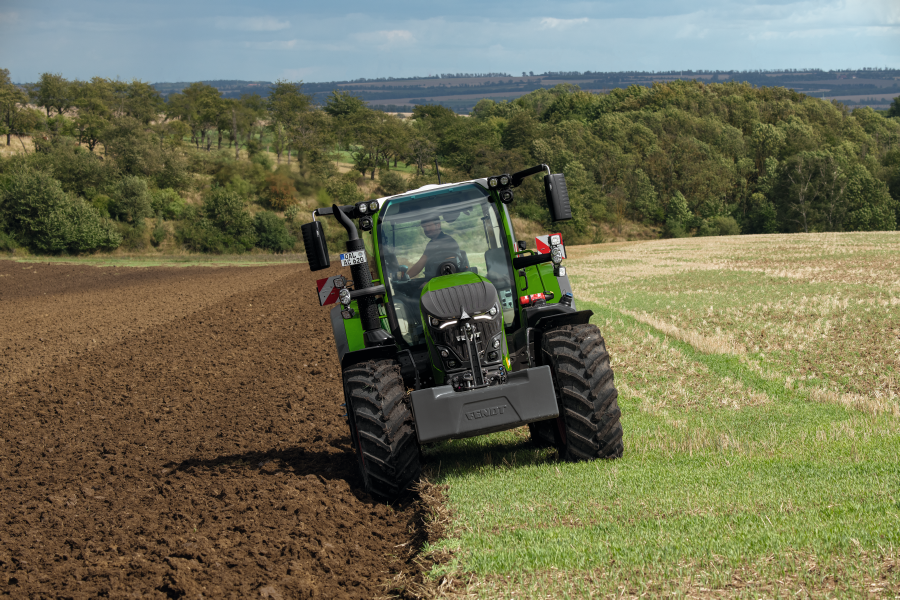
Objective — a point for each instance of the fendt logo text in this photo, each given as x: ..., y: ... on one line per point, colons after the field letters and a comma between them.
x: 486, y: 412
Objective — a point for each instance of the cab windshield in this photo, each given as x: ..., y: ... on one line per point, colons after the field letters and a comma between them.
x: 438, y: 233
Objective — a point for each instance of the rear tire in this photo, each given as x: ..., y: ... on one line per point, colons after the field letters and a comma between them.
x: 589, y: 424
x: 381, y: 428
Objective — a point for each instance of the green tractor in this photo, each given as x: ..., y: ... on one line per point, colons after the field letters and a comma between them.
x: 450, y: 328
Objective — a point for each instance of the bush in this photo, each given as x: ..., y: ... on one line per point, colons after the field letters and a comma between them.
x: 174, y: 173
x: 131, y: 200
x: 167, y: 204
x: 391, y: 182
x: 342, y: 190
x: 674, y: 229
x: 291, y: 212
x: 279, y: 190
x: 36, y: 210
x: 221, y: 225
x: 725, y: 225
x: 133, y: 148
x: 200, y: 235
x: 272, y: 233
x: 244, y: 178
x: 159, y: 233
x: 133, y: 236
x: 78, y: 171
x: 718, y: 226
x: 706, y: 229
x: 101, y: 203
x: 262, y: 159
x: 7, y: 243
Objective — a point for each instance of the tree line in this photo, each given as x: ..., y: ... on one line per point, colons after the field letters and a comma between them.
x: 114, y: 164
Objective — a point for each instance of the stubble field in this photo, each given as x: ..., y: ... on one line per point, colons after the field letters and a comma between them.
x: 758, y: 381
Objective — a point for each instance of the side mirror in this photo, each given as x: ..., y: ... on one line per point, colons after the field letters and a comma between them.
x: 316, y: 246
x: 521, y: 245
x: 557, y: 197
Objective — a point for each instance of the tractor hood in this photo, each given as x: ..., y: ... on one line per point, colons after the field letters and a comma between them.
x: 447, y: 296
x: 464, y: 330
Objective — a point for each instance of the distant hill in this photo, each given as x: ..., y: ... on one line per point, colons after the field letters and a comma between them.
x: 461, y: 91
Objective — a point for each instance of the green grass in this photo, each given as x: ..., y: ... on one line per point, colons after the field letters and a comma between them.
x: 740, y: 478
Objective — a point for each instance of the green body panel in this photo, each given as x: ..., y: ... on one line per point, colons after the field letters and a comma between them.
x: 540, y: 279
x: 375, y: 220
x: 446, y: 281
x: 354, y: 330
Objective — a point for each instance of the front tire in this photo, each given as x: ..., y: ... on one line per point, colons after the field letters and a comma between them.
x: 589, y: 424
x: 381, y: 428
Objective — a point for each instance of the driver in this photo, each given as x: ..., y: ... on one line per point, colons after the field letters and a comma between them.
x: 441, y: 248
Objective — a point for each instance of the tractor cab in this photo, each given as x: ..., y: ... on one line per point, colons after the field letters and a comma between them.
x: 438, y: 233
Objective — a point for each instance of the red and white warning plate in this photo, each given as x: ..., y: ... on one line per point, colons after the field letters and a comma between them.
x: 328, y: 291
x: 544, y: 242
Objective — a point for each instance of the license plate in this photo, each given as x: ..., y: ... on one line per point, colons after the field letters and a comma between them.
x: 353, y: 258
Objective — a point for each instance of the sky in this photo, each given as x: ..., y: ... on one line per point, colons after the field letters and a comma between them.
x: 299, y: 40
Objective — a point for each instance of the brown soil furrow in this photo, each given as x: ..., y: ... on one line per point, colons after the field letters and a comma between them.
x: 192, y: 451
x: 61, y: 311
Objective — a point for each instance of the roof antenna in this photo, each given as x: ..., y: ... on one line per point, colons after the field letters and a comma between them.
x: 438, y: 169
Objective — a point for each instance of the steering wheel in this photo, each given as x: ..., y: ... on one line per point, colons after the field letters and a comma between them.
x: 447, y: 268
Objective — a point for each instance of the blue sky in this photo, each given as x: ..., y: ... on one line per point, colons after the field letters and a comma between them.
x: 189, y: 40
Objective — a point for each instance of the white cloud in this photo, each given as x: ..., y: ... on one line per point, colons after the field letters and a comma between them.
x: 387, y: 38
x: 273, y: 45
x: 554, y: 23
x: 252, y: 23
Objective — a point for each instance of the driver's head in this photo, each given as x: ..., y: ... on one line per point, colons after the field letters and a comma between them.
x: 431, y: 227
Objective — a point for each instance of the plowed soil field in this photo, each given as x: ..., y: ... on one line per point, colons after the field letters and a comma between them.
x: 177, y: 432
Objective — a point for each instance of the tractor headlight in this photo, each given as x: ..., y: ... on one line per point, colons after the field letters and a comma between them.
x: 556, y: 255
x: 362, y: 208
x: 493, y: 183
x: 488, y: 315
x: 504, y: 180
x: 344, y: 296
x: 373, y: 206
x: 496, y: 344
x: 435, y: 322
x: 506, y: 196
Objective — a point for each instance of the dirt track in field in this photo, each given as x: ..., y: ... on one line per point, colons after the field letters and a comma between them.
x: 177, y: 432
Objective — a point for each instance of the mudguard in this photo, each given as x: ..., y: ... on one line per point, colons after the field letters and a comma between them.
x: 346, y: 356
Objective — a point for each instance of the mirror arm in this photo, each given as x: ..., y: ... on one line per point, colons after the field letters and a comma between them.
x: 517, y: 178
x: 344, y: 220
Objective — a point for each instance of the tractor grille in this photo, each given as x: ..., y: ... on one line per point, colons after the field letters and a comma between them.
x: 448, y: 304
x: 449, y: 337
